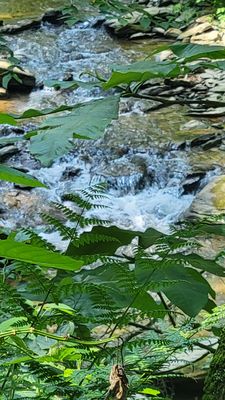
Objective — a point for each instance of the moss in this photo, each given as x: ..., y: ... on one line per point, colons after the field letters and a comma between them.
x: 219, y: 194
x: 215, y: 382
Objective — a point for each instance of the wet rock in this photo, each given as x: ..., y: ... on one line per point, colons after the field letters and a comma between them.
x: 24, y: 207
x: 210, y: 112
x: 195, y: 30
x: 54, y: 17
x: 71, y: 173
x: 207, y: 141
x: 125, y: 176
x: 194, y: 124
x: 98, y: 22
x: 192, y: 182
x: 211, y: 199
x: 20, y: 26
x: 8, y: 151
x: 27, y: 79
x: 6, y: 130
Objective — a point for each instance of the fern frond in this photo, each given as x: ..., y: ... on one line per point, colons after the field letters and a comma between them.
x: 66, y: 232
x: 37, y: 240
x: 78, y: 218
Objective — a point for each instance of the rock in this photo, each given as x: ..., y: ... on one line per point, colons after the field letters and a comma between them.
x: 207, y: 141
x: 4, y: 94
x: 28, y: 80
x: 54, y: 17
x: 141, y: 35
x: 20, y: 26
x: 8, y: 151
x: 193, y: 124
x: 125, y: 175
x: 173, y: 33
x: 159, y: 30
x: 70, y: 173
x: 211, y: 112
x: 192, y: 182
x: 25, y: 207
x: 153, y: 11
x: 219, y: 89
x: 211, y: 199
x: 6, y: 130
x: 195, y: 30
x: 203, y: 19
x: 164, y: 55
x: 98, y: 22
x: 209, y: 37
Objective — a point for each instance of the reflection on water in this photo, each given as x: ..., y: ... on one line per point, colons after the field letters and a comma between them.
x: 27, y: 8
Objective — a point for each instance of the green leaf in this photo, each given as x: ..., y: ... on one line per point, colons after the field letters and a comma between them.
x: 88, y: 120
x: 190, y: 296
x: 204, y: 264
x: 8, y: 140
x: 5, y: 325
x: 141, y: 71
x: 152, y: 392
x: 13, y: 175
x: 10, y: 249
x: 70, y: 84
x: 7, y: 119
x: 191, y: 52
x: 6, y: 79
x: 119, y: 237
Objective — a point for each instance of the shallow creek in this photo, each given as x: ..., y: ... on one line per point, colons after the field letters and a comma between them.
x: 138, y: 156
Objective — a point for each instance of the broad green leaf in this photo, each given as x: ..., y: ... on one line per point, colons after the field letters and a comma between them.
x: 13, y: 175
x: 70, y: 84
x: 10, y: 249
x: 119, y: 237
x: 191, y: 52
x: 11, y: 119
x: 8, y: 140
x: 141, y: 71
x: 88, y: 120
x: 33, y: 113
x: 187, y: 283
x: 190, y: 296
x: 7, y: 119
x: 204, y: 264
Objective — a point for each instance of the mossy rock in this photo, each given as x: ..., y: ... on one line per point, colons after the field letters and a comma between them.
x: 211, y: 199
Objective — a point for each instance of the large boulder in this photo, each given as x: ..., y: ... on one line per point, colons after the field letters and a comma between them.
x: 210, y: 200
x: 26, y: 80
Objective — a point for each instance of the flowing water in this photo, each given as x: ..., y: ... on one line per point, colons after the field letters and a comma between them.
x: 137, y: 157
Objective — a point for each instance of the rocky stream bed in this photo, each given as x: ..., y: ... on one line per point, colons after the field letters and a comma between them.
x: 163, y: 159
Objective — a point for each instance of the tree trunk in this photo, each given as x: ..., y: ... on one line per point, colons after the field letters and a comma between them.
x: 215, y: 382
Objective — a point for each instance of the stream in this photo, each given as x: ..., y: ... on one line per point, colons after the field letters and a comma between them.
x: 138, y: 157
x: 149, y: 174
